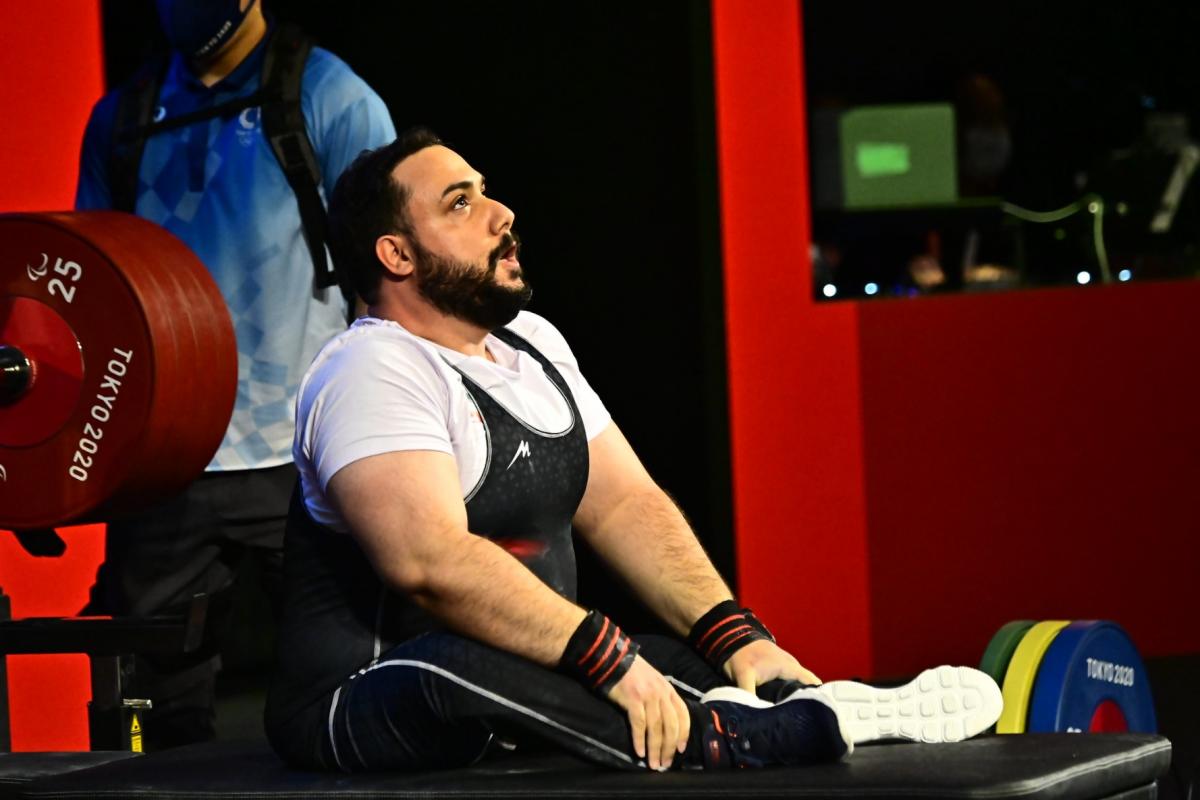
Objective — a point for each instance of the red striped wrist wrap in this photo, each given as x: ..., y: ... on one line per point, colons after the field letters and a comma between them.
x: 598, y: 654
x: 724, y: 630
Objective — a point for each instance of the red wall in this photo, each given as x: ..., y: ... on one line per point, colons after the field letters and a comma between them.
x: 51, y: 57
x: 48, y: 695
x: 1032, y: 454
x: 51, y: 60
x: 795, y: 412
x: 909, y: 474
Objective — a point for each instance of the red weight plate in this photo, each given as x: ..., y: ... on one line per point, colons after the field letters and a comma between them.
x: 195, y: 352
x: 51, y: 347
x: 208, y: 377
x: 165, y: 348
x: 88, y: 458
x: 168, y: 457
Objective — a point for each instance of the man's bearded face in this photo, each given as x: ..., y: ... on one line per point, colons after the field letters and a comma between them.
x: 471, y: 292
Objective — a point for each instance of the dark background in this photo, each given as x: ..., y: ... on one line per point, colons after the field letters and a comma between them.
x: 594, y: 123
x: 1078, y: 81
x: 1077, y: 76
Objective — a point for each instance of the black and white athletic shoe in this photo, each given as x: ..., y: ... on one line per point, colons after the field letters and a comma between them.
x: 748, y: 732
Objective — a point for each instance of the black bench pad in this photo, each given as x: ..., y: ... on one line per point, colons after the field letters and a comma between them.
x: 19, y: 769
x: 1031, y: 766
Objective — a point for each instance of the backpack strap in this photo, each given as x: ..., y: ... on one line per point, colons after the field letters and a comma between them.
x: 278, y: 97
x: 283, y: 125
x: 131, y: 128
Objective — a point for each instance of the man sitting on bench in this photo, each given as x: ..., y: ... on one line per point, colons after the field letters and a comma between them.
x: 447, y: 444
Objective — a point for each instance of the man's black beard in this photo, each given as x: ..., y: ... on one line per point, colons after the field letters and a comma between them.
x: 459, y: 289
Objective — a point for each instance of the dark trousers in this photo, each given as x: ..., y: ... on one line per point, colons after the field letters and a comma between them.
x: 440, y: 700
x: 156, y: 559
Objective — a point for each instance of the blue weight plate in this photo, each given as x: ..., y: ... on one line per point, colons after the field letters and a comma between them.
x: 1090, y: 664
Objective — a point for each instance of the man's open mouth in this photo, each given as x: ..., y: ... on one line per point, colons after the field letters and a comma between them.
x: 507, y: 251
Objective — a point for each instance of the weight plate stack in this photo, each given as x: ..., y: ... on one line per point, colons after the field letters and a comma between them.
x: 119, y: 366
x: 1078, y: 677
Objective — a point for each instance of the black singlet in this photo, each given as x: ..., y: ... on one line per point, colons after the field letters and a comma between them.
x: 339, y: 617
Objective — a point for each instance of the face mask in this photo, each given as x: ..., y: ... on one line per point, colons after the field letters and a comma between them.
x: 197, y: 28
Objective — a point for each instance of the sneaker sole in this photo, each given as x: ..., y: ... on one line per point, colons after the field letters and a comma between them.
x: 943, y: 704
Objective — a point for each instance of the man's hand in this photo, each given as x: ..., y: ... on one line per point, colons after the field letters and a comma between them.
x: 762, y: 661
x: 658, y: 718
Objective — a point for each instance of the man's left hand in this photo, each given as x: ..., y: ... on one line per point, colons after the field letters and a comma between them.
x: 762, y: 661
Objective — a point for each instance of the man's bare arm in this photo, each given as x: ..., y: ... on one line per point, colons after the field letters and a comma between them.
x: 406, y: 511
x: 640, y: 531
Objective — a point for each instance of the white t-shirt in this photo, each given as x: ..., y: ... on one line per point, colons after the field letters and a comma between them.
x: 376, y: 388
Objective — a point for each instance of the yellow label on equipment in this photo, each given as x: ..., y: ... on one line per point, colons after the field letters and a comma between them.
x: 135, y: 735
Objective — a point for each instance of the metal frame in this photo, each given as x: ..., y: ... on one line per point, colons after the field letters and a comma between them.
x: 108, y: 643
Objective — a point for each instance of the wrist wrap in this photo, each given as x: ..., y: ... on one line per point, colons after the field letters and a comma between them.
x: 598, y: 654
x: 724, y: 630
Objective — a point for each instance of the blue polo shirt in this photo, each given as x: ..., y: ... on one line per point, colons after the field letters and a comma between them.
x: 218, y: 187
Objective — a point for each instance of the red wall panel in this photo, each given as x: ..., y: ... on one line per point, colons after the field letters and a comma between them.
x: 1031, y: 455
x: 48, y: 695
x: 51, y: 60
x: 795, y: 416
x: 50, y: 54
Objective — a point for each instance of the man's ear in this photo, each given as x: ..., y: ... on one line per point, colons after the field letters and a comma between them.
x: 394, y: 251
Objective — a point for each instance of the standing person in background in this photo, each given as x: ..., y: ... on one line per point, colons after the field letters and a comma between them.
x: 204, y: 166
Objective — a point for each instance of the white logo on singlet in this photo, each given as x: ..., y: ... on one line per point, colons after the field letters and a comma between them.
x: 522, y: 450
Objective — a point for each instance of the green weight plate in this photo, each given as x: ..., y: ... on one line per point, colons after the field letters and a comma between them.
x: 1001, y: 648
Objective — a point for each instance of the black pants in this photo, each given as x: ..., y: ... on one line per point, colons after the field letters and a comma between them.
x: 155, y: 560
x: 439, y: 700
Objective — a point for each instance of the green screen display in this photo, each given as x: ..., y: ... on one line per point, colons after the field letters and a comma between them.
x: 876, y: 159
x: 898, y: 155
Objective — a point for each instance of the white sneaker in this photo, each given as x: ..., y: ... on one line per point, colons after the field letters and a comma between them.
x: 943, y: 704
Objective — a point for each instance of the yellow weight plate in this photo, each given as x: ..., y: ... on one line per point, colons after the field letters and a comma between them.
x: 1022, y: 669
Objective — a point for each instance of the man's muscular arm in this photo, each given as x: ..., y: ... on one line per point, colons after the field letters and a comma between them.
x: 640, y: 531
x: 406, y: 511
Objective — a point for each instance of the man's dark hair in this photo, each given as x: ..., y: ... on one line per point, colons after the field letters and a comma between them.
x: 366, y: 204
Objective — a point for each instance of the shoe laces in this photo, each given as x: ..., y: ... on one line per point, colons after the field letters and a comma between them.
x: 742, y: 747
x: 783, y: 734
